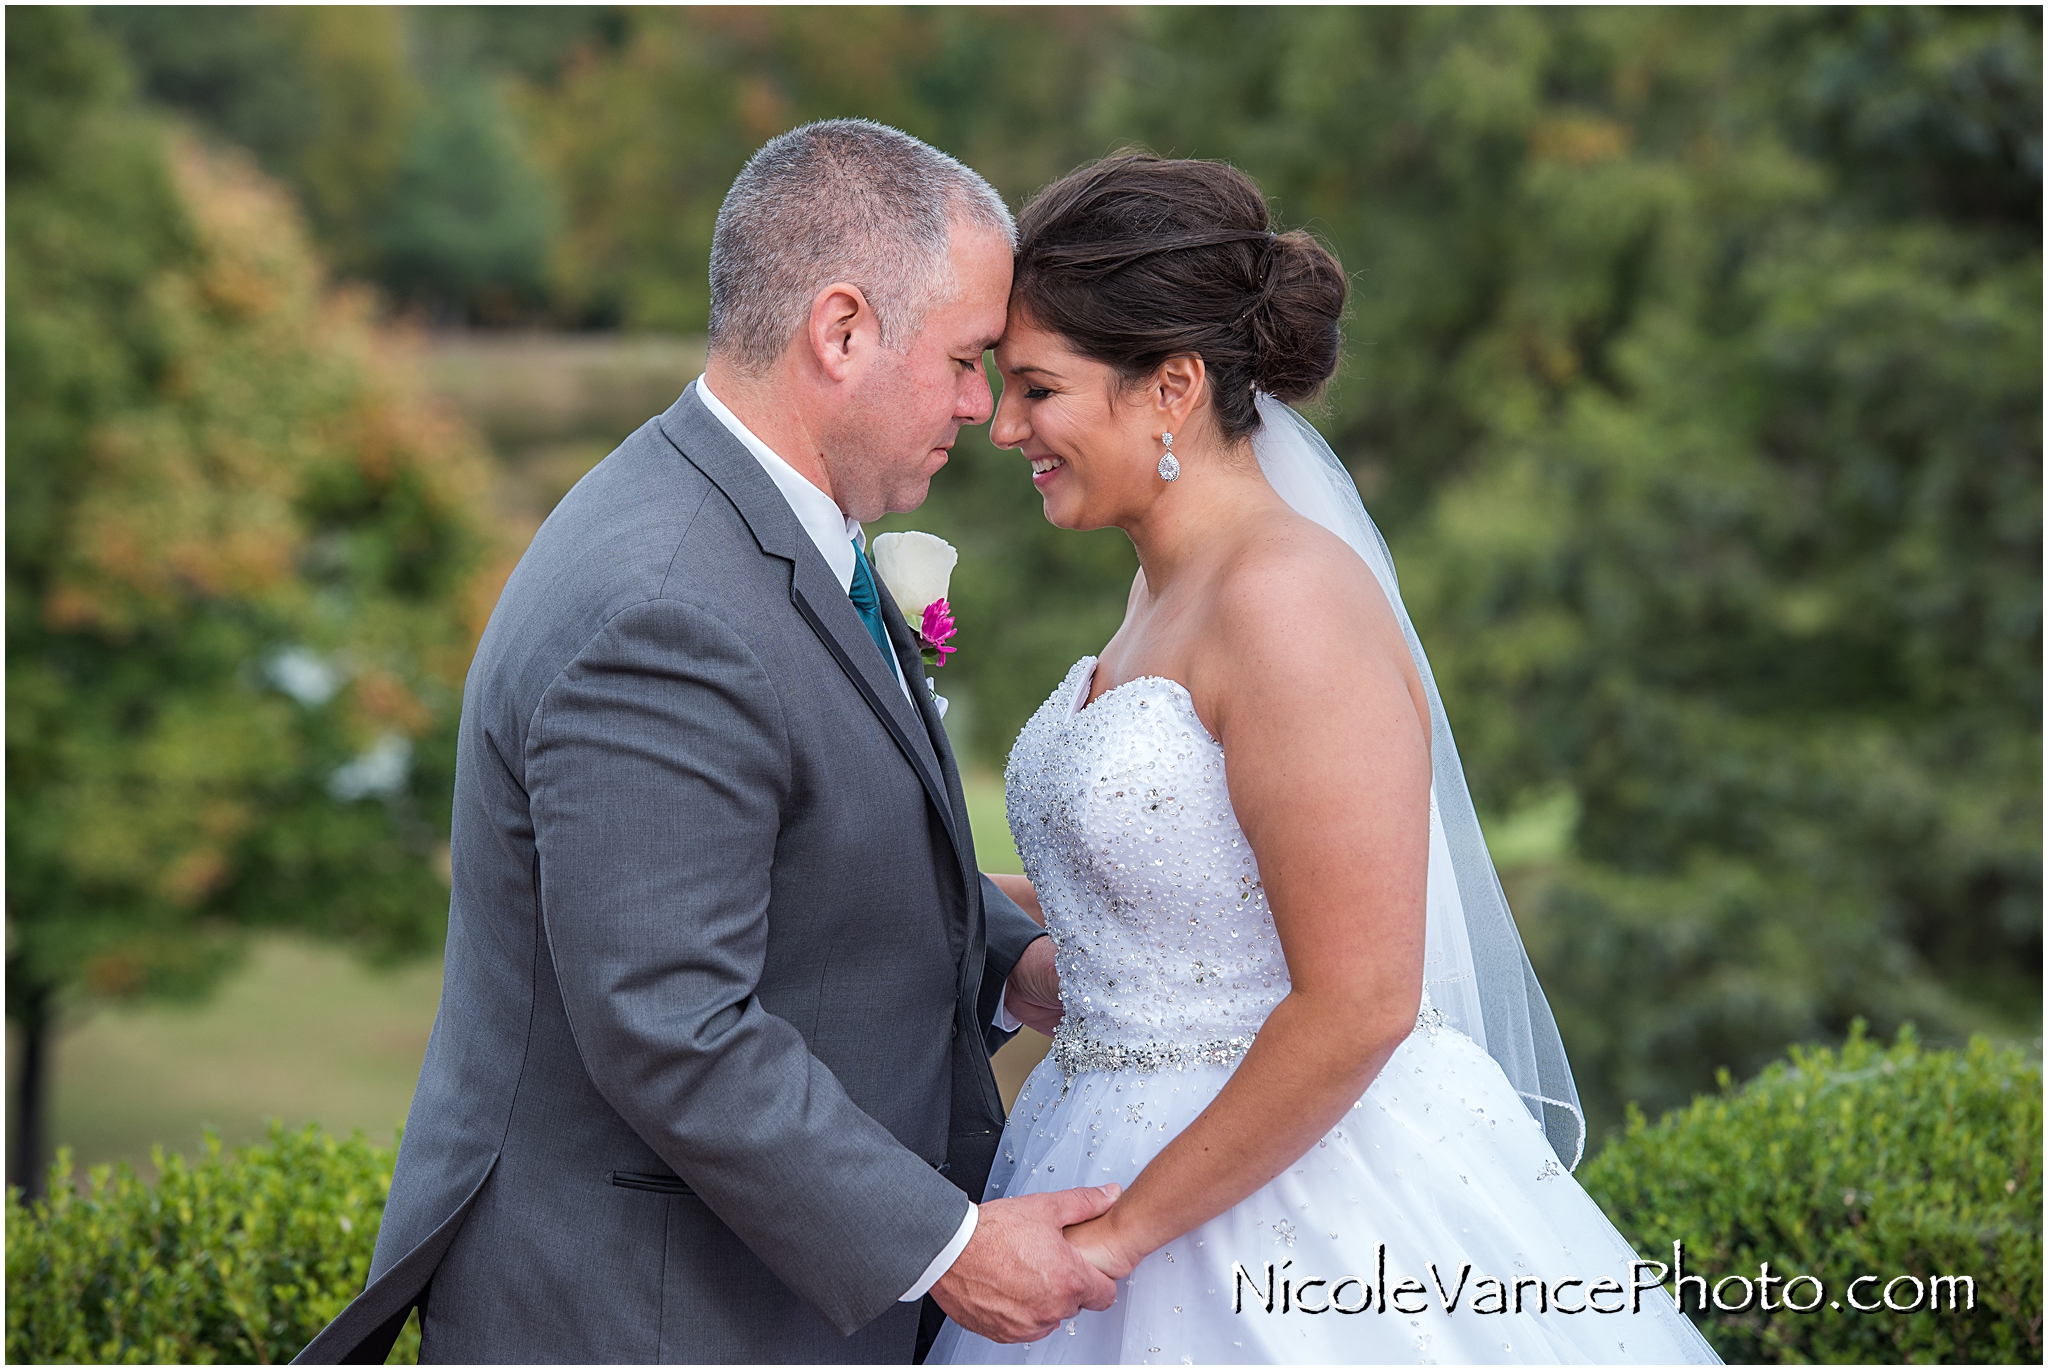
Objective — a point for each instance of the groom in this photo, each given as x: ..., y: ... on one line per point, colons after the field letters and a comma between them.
x: 710, y: 1078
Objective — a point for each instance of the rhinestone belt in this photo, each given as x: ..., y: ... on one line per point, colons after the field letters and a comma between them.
x: 1077, y: 1052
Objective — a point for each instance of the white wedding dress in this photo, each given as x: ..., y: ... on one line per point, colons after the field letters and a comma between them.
x: 1169, y: 963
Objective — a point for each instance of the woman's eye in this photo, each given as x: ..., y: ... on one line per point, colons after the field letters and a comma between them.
x: 1036, y: 392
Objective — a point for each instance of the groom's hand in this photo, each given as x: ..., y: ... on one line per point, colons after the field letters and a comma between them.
x: 1032, y: 993
x: 1019, y: 1278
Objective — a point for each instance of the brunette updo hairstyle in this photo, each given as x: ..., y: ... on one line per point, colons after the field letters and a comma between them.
x: 1137, y: 258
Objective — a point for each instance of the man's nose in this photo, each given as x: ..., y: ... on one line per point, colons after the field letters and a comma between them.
x: 977, y: 401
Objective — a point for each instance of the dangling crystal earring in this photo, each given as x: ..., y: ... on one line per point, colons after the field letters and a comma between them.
x: 1169, y: 465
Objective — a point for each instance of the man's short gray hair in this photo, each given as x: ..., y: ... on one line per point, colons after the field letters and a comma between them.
x: 840, y: 200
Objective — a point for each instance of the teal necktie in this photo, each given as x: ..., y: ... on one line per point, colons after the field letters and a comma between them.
x: 869, y: 604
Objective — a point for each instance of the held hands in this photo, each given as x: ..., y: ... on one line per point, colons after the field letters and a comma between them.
x: 1104, y: 1247
x: 1033, y: 989
x: 1018, y: 1279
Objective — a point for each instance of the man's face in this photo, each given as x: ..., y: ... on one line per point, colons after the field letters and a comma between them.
x: 899, y: 426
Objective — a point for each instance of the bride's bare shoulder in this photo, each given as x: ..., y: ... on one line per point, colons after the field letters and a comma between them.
x: 1294, y: 601
x: 1290, y: 575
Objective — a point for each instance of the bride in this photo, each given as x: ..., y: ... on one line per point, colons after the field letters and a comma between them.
x: 1299, y: 1027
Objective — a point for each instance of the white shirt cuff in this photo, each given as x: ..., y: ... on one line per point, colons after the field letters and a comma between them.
x: 943, y: 1262
x: 1006, y: 1020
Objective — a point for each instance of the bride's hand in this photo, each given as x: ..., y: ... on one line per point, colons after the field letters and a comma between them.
x: 1034, y: 988
x: 1103, y: 1247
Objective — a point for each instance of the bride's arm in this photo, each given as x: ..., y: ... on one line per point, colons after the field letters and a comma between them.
x: 1322, y: 721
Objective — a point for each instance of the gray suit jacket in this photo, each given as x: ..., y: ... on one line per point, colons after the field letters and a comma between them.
x: 709, y: 1080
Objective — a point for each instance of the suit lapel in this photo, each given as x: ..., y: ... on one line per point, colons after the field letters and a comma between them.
x: 908, y: 656
x: 709, y: 446
x: 975, y: 939
x: 818, y: 590
x: 855, y: 652
x: 815, y: 592
x: 931, y: 730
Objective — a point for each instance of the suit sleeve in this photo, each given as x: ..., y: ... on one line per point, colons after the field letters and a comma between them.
x: 657, y: 766
x: 1009, y: 931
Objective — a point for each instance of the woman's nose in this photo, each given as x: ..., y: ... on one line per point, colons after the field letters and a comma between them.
x: 1007, y: 428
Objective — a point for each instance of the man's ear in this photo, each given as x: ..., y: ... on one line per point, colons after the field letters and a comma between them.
x: 842, y: 328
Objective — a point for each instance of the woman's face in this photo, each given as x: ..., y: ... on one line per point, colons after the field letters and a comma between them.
x: 1093, y: 443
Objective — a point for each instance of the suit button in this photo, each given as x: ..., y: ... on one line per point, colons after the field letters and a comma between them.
x: 956, y: 1028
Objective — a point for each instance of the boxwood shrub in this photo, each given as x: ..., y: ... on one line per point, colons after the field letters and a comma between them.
x: 235, y: 1257
x: 1885, y: 1161
x: 1875, y: 1161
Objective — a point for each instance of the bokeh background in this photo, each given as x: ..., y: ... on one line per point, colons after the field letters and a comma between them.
x: 1694, y: 374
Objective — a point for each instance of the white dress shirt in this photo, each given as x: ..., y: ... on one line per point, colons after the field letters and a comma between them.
x: 835, y: 534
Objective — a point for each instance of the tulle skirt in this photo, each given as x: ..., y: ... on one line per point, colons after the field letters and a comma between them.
x: 1433, y: 1223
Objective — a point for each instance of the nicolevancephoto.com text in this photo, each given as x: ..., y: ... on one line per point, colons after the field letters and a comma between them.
x: 1273, y: 1290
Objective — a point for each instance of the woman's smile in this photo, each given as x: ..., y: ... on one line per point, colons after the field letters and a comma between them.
x: 1043, y: 469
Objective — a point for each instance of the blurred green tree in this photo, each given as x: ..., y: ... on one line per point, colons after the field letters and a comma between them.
x: 533, y: 43
x: 323, y: 97
x: 644, y: 137
x: 467, y: 221
x: 392, y: 128
x: 1696, y: 381
x: 241, y: 570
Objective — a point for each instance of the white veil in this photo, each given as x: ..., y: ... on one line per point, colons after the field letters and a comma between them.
x: 1475, y: 970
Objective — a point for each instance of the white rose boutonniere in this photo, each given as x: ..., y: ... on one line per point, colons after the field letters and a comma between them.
x: 917, y: 568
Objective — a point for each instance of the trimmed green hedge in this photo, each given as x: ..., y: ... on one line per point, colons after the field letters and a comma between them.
x: 1877, y: 1161
x: 235, y: 1257
x: 1874, y: 1161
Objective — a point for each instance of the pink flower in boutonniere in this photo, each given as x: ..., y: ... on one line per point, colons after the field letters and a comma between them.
x: 936, y: 632
x: 918, y: 568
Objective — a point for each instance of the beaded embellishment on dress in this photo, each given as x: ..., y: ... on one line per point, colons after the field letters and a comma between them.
x: 1166, y: 948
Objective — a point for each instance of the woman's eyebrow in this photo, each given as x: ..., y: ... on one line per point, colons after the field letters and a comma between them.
x: 1036, y: 370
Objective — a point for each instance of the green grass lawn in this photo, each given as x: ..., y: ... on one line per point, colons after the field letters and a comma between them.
x: 988, y: 817
x: 303, y: 1032
x: 307, y: 1034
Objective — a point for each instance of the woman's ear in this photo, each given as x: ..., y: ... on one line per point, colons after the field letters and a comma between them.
x: 1179, y: 388
x: 842, y: 326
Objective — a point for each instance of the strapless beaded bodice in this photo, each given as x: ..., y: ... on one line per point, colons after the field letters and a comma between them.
x: 1166, y: 949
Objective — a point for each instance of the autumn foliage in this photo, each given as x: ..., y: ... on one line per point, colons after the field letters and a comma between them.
x: 243, y: 561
